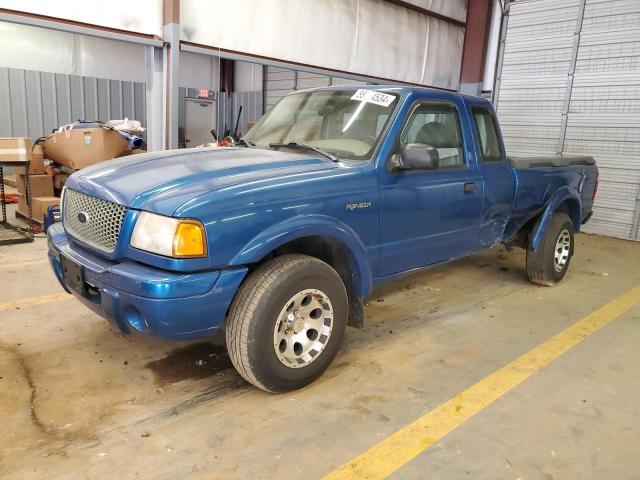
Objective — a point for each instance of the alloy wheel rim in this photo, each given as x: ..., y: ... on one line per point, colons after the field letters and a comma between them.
x: 562, y: 250
x: 303, y: 328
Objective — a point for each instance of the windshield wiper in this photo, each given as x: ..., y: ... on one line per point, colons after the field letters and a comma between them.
x: 304, y: 146
x: 245, y: 143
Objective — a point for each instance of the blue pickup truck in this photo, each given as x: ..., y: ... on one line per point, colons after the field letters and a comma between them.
x: 276, y: 241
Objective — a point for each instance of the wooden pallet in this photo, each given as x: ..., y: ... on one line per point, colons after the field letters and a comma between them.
x: 36, y: 225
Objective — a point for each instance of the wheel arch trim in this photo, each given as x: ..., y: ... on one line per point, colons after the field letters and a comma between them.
x: 312, y: 226
x: 563, y: 195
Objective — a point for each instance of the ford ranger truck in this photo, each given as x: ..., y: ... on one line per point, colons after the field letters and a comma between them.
x: 275, y: 242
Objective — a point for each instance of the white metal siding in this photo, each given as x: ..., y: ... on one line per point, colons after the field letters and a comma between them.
x: 369, y: 38
x: 456, y: 9
x: 570, y: 83
x: 312, y: 80
x: 347, y: 81
x: 604, y: 114
x: 251, y: 109
x: 281, y: 81
x: 278, y: 83
x: 34, y: 103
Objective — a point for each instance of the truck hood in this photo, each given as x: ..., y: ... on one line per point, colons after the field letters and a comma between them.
x: 161, y: 182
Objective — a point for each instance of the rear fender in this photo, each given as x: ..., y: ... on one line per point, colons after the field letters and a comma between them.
x: 564, y: 194
x: 313, y: 226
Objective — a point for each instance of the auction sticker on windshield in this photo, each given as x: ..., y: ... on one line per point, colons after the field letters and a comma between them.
x: 369, y: 96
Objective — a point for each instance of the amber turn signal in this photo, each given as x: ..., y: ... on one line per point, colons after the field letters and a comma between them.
x: 189, y: 240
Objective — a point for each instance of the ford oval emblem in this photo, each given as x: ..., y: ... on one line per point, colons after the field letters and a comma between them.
x: 83, y: 217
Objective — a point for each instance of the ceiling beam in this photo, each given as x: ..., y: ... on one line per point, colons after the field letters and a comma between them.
x: 429, y: 13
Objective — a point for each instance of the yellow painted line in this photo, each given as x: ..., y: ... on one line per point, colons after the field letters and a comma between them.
x: 34, y: 301
x: 19, y: 265
x: 396, y: 450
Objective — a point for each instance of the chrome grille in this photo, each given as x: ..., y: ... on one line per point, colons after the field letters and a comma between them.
x: 102, y: 219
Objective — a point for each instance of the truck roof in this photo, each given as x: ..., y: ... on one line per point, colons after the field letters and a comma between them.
x: 403, y: 90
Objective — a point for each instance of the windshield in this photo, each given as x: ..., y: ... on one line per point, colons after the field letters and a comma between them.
x: 347, y: 123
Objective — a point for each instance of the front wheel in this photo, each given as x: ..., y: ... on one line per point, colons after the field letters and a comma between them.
x: 548, y: 264
x: 286, y: 323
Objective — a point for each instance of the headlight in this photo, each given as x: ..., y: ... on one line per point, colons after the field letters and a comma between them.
x: 171, y: 237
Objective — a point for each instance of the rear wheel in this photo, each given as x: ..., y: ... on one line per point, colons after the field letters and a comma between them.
x: 548, y: 264
x: 287, y: 322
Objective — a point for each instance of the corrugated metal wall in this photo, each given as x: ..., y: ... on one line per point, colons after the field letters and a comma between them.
x: 281, y: 81
x: 278, y: 82
x: 533, y: 80
x: 604, y: 113
x: 34, y: 103
x: 570, y: 83
x: 251, y: 109
x: 347, y: 81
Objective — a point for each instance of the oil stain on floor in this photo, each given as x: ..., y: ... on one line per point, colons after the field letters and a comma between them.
x: 197, y: 361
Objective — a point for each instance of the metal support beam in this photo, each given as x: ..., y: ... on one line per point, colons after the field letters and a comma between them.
x: 171, y: 66
x: 270, y: 62
x: 572, y: 71
x: 635, y: 225
x: 154, y: 98
x: 503, y: 37
x: 479, y: 13
x: 77, y: 27
x: 427, y: 12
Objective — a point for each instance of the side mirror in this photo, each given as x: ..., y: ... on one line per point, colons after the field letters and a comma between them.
x: 419, y: 156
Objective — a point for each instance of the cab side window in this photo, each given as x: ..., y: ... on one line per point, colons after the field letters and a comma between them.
x: 488, y: 135
x: 436, y: 126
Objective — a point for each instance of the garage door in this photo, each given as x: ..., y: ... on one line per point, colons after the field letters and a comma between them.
x: 569, y: 82
x: 278, y: 83
x: 281, y: 81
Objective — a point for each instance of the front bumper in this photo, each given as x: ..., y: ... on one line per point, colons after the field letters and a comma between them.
x: 132, y: 296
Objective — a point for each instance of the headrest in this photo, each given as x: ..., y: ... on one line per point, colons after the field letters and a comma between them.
x: 438, y: 135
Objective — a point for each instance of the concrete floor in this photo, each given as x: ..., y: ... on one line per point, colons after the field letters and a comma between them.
x: 78, y: 400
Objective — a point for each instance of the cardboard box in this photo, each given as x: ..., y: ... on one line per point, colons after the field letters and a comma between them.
x: 59, y: 180
x: 81, y: 147
x: 36, y: 164
x: 40, y: 185
x: 23, y: 208
x: 15, y: 149
x: 39, y: 206
x: 136, y: 151
x: 9, y: 179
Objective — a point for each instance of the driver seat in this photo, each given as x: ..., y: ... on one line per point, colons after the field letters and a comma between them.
x: 441, y: 137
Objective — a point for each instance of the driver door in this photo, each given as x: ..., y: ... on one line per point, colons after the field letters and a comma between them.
x: 429, y: 216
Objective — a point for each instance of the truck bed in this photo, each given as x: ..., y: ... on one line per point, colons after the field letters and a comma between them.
x: 550, y: 161
x: 537, y: 178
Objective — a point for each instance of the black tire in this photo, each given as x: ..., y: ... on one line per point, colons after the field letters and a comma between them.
x: 255, y: 311
x: 542, y: 266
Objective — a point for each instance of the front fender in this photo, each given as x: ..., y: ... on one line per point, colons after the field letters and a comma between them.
x: 312, y: 226
x: 563, y: 194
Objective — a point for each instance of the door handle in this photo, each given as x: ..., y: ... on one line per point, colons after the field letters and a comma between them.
x: 469, y: 187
